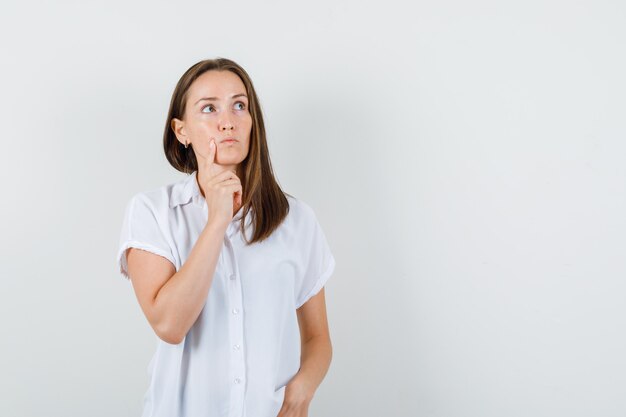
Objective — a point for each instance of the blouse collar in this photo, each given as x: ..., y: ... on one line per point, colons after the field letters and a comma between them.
x: 186, y: 190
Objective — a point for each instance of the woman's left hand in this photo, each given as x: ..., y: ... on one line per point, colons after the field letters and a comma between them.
x: 298, y: 396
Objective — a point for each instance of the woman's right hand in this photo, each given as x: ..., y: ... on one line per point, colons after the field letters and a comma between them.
x: 222, y: 189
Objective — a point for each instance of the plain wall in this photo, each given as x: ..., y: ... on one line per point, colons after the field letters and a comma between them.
x: 465, y: 159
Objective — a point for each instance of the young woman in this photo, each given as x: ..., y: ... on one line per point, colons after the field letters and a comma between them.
x: 228, y: 269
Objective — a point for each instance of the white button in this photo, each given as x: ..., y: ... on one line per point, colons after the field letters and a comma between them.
x: 236, y: 347
x: 232, y: 276
x: 237, y: 380
x: 235, y: 311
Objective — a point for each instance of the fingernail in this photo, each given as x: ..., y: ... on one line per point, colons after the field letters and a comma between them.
x: 212, y: 144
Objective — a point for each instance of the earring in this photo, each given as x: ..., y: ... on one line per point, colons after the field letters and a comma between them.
x: 186, y: 144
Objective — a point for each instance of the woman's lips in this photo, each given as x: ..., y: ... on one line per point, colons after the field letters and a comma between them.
x: 229, y: 140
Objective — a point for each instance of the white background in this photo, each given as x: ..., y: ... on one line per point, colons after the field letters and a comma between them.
x: 465, y: 159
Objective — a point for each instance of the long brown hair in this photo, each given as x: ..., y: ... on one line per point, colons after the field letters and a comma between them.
x: 261, y: 191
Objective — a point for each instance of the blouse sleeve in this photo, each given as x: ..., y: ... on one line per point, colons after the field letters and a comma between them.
x: 318, y: 259
x: 141, y: 230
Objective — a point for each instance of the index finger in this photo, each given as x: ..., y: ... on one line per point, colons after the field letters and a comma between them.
x: 210, y: 159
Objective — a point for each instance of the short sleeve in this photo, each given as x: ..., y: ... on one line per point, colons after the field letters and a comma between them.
x: 141, y: 230
x: 318, y: 259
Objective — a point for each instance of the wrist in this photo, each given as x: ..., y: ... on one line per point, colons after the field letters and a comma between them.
x: 216, y: 225
x: 305, y: 384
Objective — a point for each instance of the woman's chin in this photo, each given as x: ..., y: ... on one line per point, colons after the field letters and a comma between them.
x: 229, y: 161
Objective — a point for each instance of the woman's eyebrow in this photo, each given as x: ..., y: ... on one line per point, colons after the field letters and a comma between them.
x: 217, y: 98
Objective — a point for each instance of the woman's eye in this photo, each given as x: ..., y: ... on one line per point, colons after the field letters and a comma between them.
x: 205, y: 107
x: 243, y: 106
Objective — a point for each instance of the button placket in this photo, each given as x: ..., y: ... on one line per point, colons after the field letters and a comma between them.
x: 236, y: 326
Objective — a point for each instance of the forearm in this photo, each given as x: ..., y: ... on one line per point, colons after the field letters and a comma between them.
x: 315, y: 358
x: 181, y: 299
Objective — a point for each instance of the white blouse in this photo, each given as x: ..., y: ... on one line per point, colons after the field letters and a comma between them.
x: 244, y: 348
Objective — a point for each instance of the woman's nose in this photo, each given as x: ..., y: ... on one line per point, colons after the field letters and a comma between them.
x: 225, y: 124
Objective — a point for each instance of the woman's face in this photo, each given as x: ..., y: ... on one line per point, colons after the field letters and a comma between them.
x: 217, y: 107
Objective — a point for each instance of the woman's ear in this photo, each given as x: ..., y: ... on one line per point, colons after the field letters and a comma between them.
x: 178, y: 126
